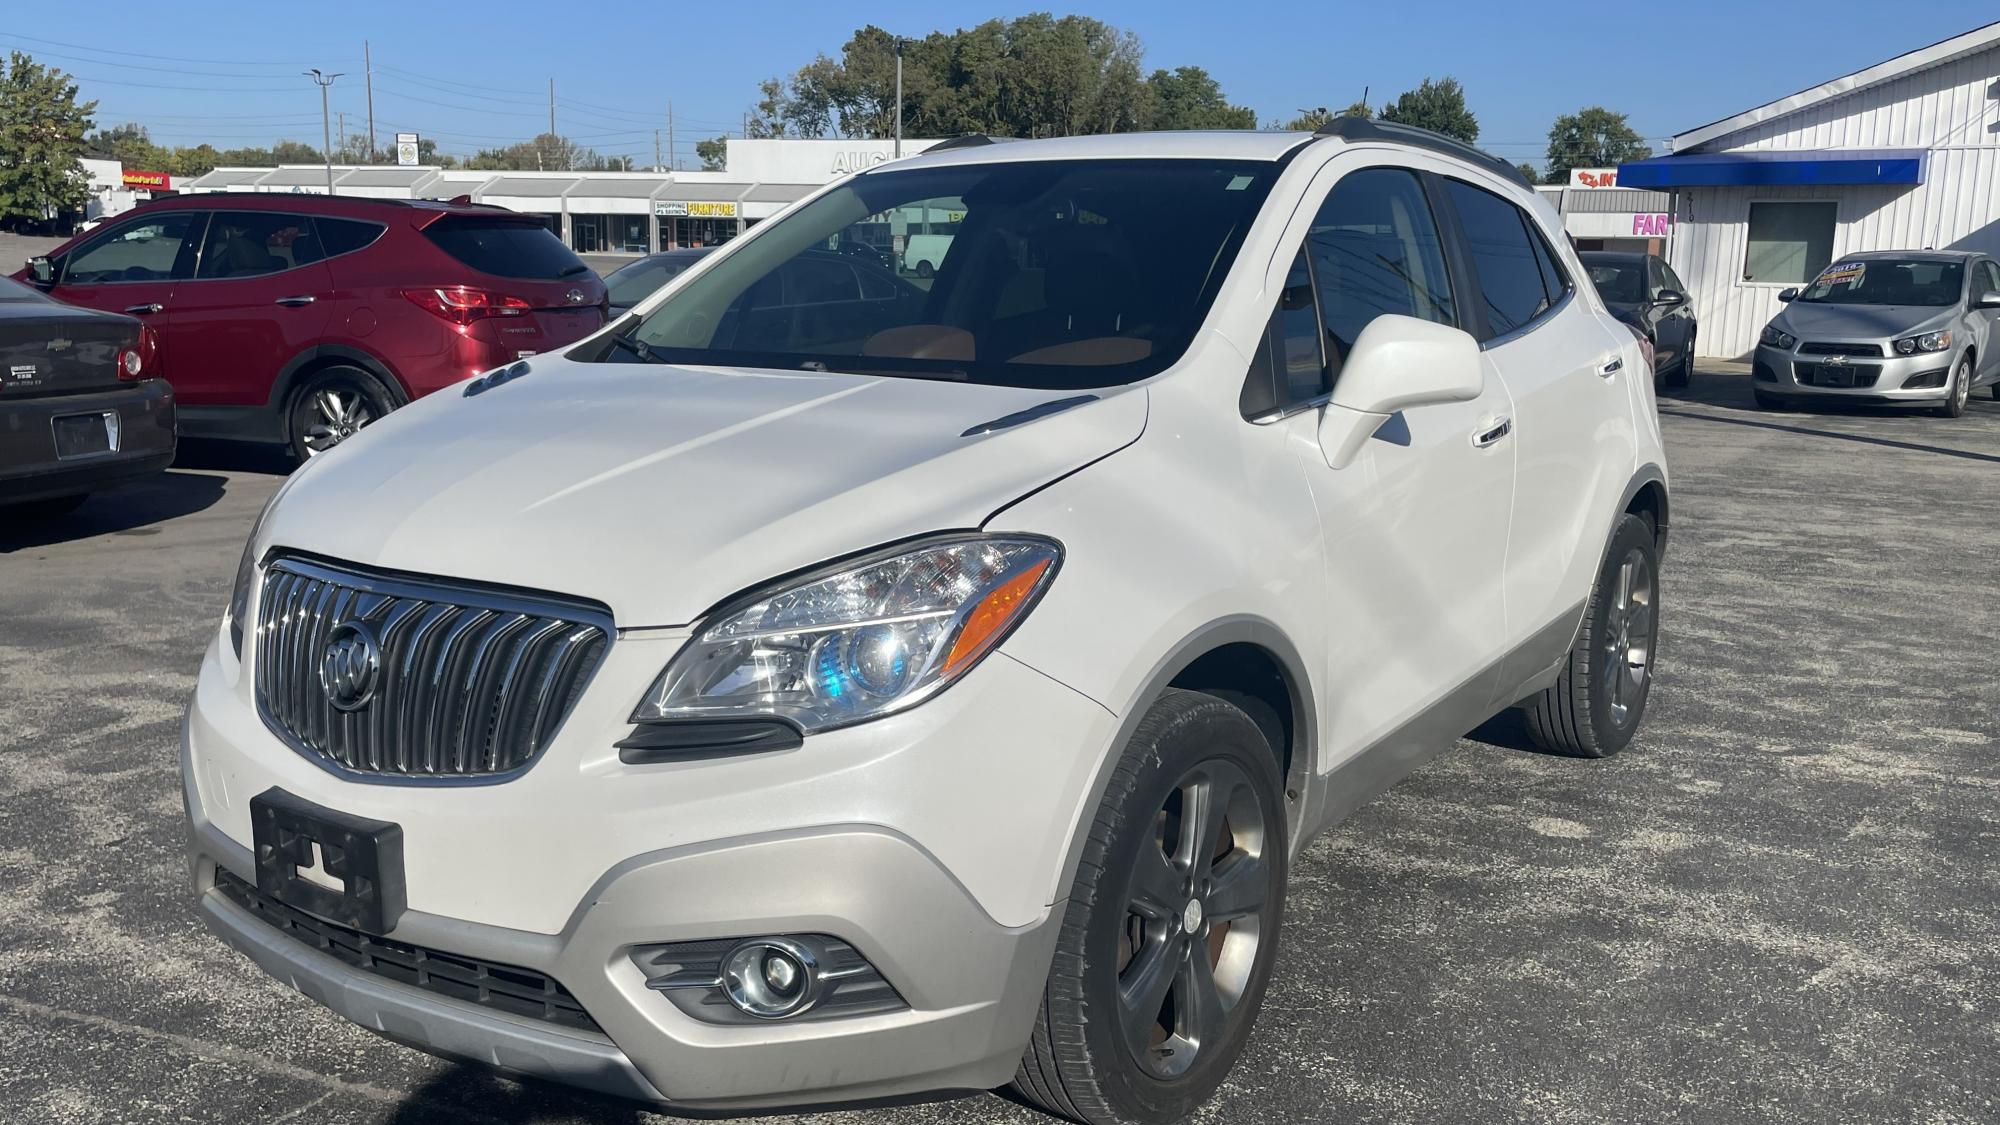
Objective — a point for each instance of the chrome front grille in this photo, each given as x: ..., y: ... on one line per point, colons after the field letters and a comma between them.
x: 451, y: 682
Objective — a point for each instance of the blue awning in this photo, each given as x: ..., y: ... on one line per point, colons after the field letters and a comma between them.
x: 1746, y: 169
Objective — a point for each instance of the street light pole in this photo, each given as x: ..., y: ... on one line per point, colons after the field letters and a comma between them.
x: 899, y: 97
x: 325, y: 82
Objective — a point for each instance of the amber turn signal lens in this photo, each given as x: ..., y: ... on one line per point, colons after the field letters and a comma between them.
x: 991, y: 617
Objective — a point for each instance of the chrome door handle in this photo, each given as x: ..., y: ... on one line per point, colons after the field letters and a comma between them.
x: 295, y: 302
x: 1612, y: 368
x: 1498, y: 429
x: 142, y: 310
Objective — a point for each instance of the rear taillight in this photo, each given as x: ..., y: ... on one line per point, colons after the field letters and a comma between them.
x: 462, y: 304
x: 136, y: 362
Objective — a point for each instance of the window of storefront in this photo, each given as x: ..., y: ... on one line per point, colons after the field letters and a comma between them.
x: 687, y: 231
x: 1790, y: 243
x: 608, y: 234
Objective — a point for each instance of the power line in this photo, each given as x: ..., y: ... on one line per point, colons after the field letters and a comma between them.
x: 144, y: 55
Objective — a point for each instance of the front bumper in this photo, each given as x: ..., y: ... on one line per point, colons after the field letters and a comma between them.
x: 872, y: 835
x: 1793, y: 375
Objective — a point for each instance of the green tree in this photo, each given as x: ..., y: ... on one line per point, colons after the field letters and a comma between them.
x: 1189, y: 98
x: 1529, y: 173
x: 1358, y: 109
x: 712, y: 153
x: 1435, y: 105
x: 128, y: 144
x: 1593, y: 137
x: 548, y: 152
x: 42, y: 127
x: 197, y: 160
x: 1307, y: 120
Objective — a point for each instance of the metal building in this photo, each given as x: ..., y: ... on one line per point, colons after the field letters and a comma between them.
x: 1902, y: 155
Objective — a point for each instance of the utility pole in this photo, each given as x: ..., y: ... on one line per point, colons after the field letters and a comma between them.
x: 671, y: 163
x: 325, y: 82
x: 368, y: 66
x: 899, y: 97
x: 342, y: 117
x: 656, y: 150
x: 552, y: 107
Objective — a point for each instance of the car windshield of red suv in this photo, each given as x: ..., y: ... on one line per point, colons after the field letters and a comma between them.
x: 1070, y: 273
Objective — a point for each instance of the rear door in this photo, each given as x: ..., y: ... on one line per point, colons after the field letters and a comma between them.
x: 133, y: 267
x: 513, y: 256
x: 256, y: 300
x: 1567, y: 375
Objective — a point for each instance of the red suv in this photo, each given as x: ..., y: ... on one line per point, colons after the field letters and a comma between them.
x: 301, y: 318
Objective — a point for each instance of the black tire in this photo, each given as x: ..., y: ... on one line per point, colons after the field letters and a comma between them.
x: 1995, y: 389
x: 1596, y: 704
x: 308, y: 428
x: 1081, y: 1062
x: 925, y: 270
x: 52, y: 507
x: 1768, y: 401
x: 1958, y: 390
x: 1683, y: 373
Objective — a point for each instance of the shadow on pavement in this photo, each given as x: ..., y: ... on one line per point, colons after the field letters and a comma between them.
x: 233, y: 457
x: 130, y: 509
x: 1732, y: 393
x: 476, y: 1093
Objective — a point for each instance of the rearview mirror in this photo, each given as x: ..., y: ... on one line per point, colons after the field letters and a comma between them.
x: 1787, y: 295
x: 1988, y: 300
x: 1398, y: 362
x: 40, y: 268
x: 1671, y: 298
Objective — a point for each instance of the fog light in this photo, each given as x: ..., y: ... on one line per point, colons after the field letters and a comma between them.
x: 770, y: 978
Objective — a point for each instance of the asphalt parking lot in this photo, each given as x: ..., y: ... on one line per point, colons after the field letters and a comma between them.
x: 1782, y: 904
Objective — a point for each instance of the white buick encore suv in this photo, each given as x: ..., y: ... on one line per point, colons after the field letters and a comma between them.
x: 836, y: 682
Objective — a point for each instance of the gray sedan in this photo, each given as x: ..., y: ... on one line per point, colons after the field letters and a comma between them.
x: 1886, y: 327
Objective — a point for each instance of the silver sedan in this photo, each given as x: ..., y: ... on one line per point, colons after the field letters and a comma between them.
x: 1886, y: 327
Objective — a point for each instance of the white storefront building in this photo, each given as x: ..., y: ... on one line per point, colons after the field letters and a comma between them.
x: 1902, y: 155
x: 604, y: 212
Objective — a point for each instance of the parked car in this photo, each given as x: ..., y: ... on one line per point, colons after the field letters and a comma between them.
x: 1644, y: 291
x: 813, y: 277
x: 924, y: 253
x: 1892, y: 326
x: 81, y: 408
x: 856, y: 698
x: 301, y: 318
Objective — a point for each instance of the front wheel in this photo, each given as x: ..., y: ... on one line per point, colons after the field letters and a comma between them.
x: 1171, y: 926
x: 1594, y: 707
x: 1959, y: 392
x: 1683, y: 373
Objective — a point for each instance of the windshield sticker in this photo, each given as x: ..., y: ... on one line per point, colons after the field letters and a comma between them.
x: 1238, y: 183
x: 1844, y: 272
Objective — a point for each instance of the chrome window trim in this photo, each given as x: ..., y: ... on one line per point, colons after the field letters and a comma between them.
x: 431, y: 590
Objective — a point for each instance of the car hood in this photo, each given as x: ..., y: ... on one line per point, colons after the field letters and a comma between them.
x: 660, y: 491
x: 1810, y: 321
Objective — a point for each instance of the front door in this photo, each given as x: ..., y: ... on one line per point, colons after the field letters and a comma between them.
x: 1415, y: 527
x: 133, y: 267
x: 260, y: 296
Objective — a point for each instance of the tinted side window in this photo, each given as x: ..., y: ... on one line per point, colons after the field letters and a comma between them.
x: 1510, y: 278
x: 505, y: 248
x: 249, y: 243
x: 140, y: 251
x: 1375, y: 250
x: 817, y: 281
x: 344, y: 236
x: 1555, y: 280
x: 1289, y: 368
x: 1989, y: 276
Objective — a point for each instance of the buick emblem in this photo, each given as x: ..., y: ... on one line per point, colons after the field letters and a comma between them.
x: 351, y: 666
x: 574, y: 296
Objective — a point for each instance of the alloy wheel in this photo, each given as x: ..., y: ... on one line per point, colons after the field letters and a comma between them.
x: 334, y: 414
x: 1628, y: 640
x: 1961, y: 386
x: 1194, y: 919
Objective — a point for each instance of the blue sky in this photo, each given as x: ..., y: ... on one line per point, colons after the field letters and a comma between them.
x: 472, y: 76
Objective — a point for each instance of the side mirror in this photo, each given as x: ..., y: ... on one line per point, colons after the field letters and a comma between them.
x: 1988, y: 300
x: 1671, y: 298
x: 42, y: 270
x: 1788, y: 295
x: 1398, y: 362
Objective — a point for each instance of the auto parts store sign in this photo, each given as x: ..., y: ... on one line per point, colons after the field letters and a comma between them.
x: 147, y: 181
x: 696, y: 209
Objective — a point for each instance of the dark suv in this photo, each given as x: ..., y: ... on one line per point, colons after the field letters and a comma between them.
x: 301, y: 318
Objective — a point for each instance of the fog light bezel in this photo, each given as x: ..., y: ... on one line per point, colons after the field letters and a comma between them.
x: 743, y: 984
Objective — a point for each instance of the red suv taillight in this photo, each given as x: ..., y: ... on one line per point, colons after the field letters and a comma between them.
x: 136, y: 362
x: 462, y: 304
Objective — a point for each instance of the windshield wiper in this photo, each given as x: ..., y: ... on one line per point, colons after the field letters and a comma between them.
x: 637, y: 348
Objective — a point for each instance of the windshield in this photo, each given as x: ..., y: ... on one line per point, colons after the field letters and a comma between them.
x: 1623, y: 282
x: 1030, y: 274
x: 1887, y: 281
x: 634, y: 283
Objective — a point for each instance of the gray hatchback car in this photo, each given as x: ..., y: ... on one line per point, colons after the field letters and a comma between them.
x: 1892, y: 326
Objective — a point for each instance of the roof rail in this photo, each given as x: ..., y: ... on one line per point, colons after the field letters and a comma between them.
x: 1364, y: 129
x: 968, y: 140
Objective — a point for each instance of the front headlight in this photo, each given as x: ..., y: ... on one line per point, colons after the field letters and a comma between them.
x: 246, y: 576
x: 1778, y: 338
x: 1926, y: 342
x: 874, y: 636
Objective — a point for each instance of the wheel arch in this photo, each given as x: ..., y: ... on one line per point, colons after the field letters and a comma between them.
x: 1241, y: 654
x: 318, y: 358
x: 1646, y: 496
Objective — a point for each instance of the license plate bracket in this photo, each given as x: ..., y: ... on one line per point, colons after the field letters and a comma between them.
x: 85, y: 435
x: 365, y: 856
